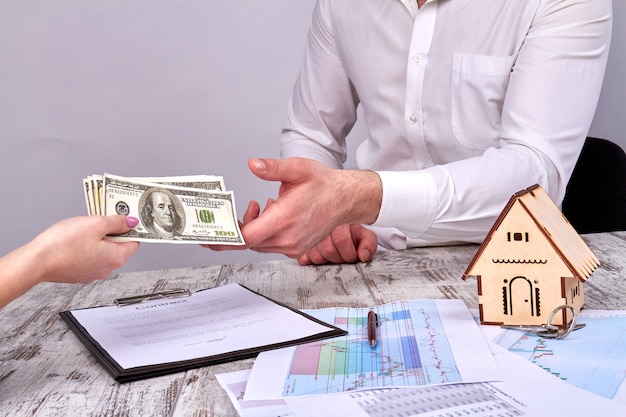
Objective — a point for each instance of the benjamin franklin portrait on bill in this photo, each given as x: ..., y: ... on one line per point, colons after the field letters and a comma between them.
x: 161, y: 213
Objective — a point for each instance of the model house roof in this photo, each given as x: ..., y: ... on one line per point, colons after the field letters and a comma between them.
x: 551, y: 222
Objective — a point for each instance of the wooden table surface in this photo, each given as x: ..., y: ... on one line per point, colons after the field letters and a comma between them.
x: 46, y: 371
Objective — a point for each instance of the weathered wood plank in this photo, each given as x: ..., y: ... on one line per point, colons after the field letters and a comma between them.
x: 300, y: 287
x: 422, y: 273
x: 605, y: 289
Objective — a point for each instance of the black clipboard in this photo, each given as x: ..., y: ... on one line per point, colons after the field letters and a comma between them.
x: 123, y: 375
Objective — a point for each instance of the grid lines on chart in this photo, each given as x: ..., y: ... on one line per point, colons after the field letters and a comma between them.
x: 412, y: 350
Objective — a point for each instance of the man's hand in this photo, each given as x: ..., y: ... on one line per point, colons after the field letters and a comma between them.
x: 346, y: 244
x: 313, y: 201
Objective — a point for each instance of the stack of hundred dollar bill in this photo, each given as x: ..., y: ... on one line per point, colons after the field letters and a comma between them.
x: 187, y: 209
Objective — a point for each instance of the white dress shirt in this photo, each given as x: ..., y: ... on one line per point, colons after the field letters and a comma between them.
x: 465, y: 102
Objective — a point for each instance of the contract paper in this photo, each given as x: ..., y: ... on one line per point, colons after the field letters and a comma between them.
x: 219, y: 321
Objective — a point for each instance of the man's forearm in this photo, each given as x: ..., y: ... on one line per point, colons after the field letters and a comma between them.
x: 365, y: 191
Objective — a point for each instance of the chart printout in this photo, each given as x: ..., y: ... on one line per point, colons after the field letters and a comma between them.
x: 592, y: 358
x: 417, y: 345
x: 525, y: 390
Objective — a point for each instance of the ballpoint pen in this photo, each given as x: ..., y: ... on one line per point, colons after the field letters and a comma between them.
x: 372, y: 324
x: 138, y: 299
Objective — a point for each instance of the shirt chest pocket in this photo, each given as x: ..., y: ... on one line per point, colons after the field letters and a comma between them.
x: 479, y: 84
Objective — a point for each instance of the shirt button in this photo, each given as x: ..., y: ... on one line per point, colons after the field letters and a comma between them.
x: 418, y: 58
x: 413, y: 118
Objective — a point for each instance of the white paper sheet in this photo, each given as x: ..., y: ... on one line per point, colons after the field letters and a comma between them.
x: 234, y: 383
x: 220, y: 320
x: 526, y: 390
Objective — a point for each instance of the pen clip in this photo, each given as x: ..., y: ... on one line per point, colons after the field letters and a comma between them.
x: 138, y: 299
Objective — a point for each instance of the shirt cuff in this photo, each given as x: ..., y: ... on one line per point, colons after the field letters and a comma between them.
x: 409, y: 201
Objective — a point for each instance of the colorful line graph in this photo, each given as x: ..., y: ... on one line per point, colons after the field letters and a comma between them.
x: 412, y: 351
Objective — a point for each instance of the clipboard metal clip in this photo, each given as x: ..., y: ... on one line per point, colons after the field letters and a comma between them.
x: 138, y: 299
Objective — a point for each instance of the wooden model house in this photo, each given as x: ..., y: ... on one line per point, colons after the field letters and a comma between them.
x: 531, y: 262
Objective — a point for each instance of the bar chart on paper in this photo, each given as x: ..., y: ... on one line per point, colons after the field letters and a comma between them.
x: 412, y: 351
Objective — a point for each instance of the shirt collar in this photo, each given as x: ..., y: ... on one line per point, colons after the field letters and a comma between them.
x: 411, y: 6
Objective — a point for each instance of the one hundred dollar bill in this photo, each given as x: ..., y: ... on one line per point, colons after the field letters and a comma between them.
x: 90, y: 187
x: 94, y: 196
x: 89, y: 201
x: 204, y: 182
x: 171, y: 213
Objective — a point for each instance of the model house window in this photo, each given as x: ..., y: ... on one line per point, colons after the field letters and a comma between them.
x: 517, y: 236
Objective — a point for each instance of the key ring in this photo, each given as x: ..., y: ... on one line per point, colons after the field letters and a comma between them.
x: 553, y: 332
x: 549, y: 330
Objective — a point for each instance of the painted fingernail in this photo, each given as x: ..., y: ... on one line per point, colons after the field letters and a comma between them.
x: 132, y: 221
x: 258, y: 164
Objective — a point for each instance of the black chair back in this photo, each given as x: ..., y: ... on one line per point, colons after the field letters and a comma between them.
x: 595, y: 199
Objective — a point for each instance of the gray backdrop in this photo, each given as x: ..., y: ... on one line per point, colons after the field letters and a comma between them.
x: 157, y: 88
